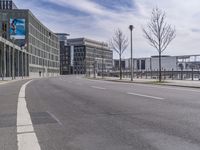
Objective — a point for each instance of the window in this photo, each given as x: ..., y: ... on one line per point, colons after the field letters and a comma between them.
x: 143, y: 67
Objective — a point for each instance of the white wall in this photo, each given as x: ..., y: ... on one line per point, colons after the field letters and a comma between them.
x: 168, y: 63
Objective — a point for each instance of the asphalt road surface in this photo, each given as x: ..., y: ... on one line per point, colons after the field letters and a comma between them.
x: 73, y: 113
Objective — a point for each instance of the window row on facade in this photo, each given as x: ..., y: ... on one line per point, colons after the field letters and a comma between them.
x: 41, y: 29
x: 43, y: 54
x: 5, y: 4
x: 42, y: 62
x: 42, y: 45
x: 42, y: 37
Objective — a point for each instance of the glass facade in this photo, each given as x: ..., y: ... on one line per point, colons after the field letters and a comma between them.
x: 90, y: 56
x: 44, y: 47
x: 7, y: 4
x: 64, y: 54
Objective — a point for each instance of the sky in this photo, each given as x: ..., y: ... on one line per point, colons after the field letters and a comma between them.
x: 98, y: 19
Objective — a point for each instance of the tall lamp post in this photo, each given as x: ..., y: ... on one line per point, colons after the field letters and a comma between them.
x: 131, y: 27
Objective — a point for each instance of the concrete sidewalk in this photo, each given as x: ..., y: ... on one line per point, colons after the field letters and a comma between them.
x: 180, y: 83
x: 183, y: 83
x: 9, y: 80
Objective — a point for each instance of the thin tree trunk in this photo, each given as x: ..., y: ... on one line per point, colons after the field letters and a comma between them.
x: 120, y: 67
x: 160, y: 69
x: 159, y: 34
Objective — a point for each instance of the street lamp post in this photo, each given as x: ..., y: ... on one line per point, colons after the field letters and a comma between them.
x: 131, y: 27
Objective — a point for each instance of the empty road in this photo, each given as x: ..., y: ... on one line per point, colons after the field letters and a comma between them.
x: 74, y: 113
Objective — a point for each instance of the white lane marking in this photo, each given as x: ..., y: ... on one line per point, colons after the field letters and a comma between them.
x: 54, y: 117
x: 96, y: 87
x: 79, y: 84
x: 101, y: 81
x: 147, y: 96
x: 26, y: 136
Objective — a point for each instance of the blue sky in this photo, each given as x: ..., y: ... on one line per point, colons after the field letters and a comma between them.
x: 97, y: 19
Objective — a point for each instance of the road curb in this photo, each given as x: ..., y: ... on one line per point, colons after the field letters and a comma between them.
x: 30, y: 78
x: 12, y: 81
x: 149, y: 83
x: 195, y: 87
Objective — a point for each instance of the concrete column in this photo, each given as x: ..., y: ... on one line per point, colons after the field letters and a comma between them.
x: 13, y: 63
x: 25, y: 65
x: 22, y: 66
x: 47, y: 68
x: 18, y: 68
x: 27, y: 69
x: 1, y: 60
x: 9, y: 62
x: 4, y: 60
x: 43, y: 68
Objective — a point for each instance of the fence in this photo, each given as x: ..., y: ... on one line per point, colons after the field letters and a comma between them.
x: 166, y: 74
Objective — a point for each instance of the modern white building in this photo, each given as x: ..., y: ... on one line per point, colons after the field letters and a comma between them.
x: 169, y: 63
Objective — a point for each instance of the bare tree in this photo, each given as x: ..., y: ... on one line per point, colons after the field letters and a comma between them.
x: 159, y: 34
x: 119, y: 43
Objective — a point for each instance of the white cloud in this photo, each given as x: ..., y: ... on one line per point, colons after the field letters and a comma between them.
x: 82, y: 5
x: 101, y: 22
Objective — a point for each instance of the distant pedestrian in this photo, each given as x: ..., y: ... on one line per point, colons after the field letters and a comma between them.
x: 40, y: 73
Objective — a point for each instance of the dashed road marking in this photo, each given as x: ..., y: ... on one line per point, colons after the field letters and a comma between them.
x: 147, y: 96
x: 96, y: 87
x: 79, y: 84
x: 54, y: 117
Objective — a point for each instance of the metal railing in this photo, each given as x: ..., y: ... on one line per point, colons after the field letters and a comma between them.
x: 189, y: 74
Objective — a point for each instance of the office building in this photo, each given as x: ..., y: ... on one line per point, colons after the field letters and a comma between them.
x: 173, y: 67
x: 41, y: 45
x: 89, y: 56
x: 64, y: 54
x: 7, y: 4
x: 175, y: 63
x: 116, y: 64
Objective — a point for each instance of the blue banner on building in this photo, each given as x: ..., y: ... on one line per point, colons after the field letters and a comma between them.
x: 17, y: 28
